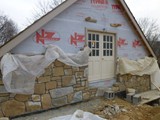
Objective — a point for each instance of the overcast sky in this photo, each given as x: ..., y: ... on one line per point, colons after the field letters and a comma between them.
x: 20, y: 10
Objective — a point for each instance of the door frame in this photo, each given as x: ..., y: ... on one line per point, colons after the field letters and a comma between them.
x: 115, y: 48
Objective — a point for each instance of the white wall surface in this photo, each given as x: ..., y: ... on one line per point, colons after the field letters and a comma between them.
x: 72, y: 21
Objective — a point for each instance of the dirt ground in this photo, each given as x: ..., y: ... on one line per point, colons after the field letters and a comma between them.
x: 98, y: 106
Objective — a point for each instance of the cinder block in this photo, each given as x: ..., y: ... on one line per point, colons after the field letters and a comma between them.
x: 136, y: 99
x: 121, y: 94
x: 130, y: 97
x: 109, y: 94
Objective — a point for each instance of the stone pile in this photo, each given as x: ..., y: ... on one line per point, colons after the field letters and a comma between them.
x: 113, y: 109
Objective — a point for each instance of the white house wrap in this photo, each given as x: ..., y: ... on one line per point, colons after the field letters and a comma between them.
x: 20, y: 71
x: 140, y: 67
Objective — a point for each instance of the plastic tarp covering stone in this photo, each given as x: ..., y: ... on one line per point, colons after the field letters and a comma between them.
x: 79, y: 115
x: 20, y: 71
x: 140, y: 67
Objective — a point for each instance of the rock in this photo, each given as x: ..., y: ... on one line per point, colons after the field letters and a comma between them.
x: 2, y: 99
x: 79, y: 74
x: 59, y: 101
x: 33, y: 106
x: 12, y: 108
x: 68, y: 81
x: 77, y: 97
x: 55, y: 93
x: 36, y: 98
x: 39, y: 88
x: 58, y: 71
x: 44, y: 79
x: 22, y: 98
x: 86, y: 96
x: 58, y: 63
x: 68, y: 72
x: 46, y: 101
x: 51, y: 85
x: 4, y: 118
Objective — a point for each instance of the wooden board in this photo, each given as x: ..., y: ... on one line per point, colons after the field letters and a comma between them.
x: 149, y: 96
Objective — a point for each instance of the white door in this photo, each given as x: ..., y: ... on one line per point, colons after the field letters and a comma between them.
x: 102, y: 57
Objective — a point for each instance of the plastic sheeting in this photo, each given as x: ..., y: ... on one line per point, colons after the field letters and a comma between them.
x: 140, y: 67
x: 20, y: 71
x: 79, y: 115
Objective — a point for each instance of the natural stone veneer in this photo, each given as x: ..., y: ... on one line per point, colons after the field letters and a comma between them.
x: 139, y: 83
x: 59, y: 85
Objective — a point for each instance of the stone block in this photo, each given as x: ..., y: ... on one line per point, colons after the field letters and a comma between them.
x: 77, y: 97
x: 46, y: 101
x: 79, y: 74
x: 75, y: 69
x: 3, y: 89
x: 86, y: 95
x: 59, y: 101
x: 2, y: 99
x: 39, y: 88
x: 55, y: 93
x: 109, y: 94
x: 36, y: 98
x: 136, y: 99
x: 1, y: 82
x: 22, y: 98
x: 56, y: 78
x: 58, y: 63
x: 33, y: 106
x: 68, y: 81
x: 66, y: 66
x: 70, y: 97
x: 43, y: 79
x: 79, y: 88
x: 4, y: 94
x: 48, y: 72
x: 58, y: 71
x: 68, y: 72
x: 13, y: 108
x: 4, y: 118
x: 51, y: 85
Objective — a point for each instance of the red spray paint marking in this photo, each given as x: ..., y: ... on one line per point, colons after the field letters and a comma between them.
x: 136, y: 43
x: 102, y: 2
x: 77, y: 38
x: 116, y: 7
x: 45, y: 36
x: 121, y: 42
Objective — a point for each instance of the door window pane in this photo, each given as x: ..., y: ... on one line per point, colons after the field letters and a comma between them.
x: 97, y: 52
x: 97, y: 45
x: 93, y: 37
x: 89, y: 36
x: 104, y: 45
x: 97, y: 37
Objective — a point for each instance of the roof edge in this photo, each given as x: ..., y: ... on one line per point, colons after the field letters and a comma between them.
x: 136, y: 25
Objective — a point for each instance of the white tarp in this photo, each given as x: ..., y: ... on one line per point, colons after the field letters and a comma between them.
x: 140, y: 67
x: 20, y: 71
x: 79, y: 115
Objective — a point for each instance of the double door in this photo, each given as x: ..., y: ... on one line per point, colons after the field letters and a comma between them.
x: 102, y: 57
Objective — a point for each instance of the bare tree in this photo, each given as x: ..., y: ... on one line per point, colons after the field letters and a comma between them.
x: 7, y: 29
x: 151, y: 30
x: 42, y: 8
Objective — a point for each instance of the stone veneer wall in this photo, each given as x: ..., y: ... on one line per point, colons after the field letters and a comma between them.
x: 59, y: 85
x: 139, y: 83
